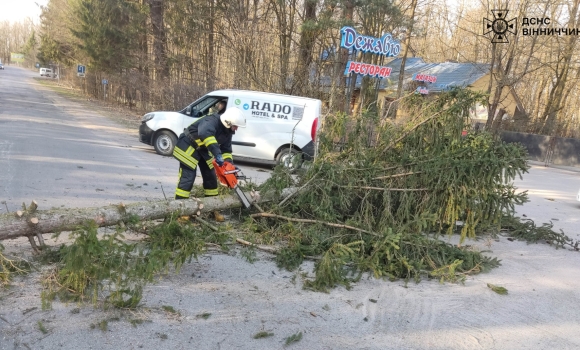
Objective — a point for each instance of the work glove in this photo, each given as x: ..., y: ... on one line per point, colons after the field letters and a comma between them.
x: 219, y: 159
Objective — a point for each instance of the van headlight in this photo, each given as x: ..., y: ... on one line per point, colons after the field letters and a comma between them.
x: 147, y: 117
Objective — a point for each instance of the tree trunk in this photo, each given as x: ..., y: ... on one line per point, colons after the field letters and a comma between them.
x: 343, y: 59
x: 490, y: 108
x: 34, y: 223
x: 537, y: 103
x: 556, y: 102
x: 307, y: 39
x: 159, y: 41
x: 406, y: 52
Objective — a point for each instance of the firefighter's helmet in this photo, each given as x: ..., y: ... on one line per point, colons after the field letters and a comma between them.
x: 233, y: 117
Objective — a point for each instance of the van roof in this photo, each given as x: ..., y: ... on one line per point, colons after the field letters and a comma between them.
x: 261, y: 93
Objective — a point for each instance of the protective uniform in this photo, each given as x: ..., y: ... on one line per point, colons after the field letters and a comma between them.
x: 205, y: 137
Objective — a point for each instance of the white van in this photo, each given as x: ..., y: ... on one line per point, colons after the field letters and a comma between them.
x: 279, y: 127
x: 45, y: 72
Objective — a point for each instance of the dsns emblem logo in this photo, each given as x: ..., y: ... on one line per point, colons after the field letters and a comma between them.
x: 500, y: 26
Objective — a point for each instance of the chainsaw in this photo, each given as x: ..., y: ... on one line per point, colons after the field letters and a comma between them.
x: 228, y: 175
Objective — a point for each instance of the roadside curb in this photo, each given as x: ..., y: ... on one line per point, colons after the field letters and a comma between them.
x: 561, y: 167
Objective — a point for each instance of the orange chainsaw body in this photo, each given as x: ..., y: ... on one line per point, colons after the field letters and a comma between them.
x: 226, y: 174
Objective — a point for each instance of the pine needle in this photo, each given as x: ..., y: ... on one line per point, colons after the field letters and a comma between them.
x: 498, y: 289
x: 293, y: 339
x: 263, y: 334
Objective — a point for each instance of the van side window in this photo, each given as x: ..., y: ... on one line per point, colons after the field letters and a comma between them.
x: 202, y: 108
x: 219, y: 107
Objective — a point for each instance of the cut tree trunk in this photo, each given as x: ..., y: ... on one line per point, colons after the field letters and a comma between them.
x: 36, y: 223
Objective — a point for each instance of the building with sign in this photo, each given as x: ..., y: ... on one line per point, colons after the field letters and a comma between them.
x: 432, y: 78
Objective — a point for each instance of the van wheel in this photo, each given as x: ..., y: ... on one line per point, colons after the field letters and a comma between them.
x: 290, y: 158
x: 164, y: 143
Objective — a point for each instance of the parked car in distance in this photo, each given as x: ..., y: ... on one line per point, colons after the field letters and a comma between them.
x: 279, y: 128
x: 1, y: 66
x: 45, y: 72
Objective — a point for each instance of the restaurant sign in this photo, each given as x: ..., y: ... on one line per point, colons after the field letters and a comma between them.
x: 384, y: 46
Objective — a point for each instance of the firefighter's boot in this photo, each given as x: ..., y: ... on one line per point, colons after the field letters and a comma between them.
x: 218, y: 216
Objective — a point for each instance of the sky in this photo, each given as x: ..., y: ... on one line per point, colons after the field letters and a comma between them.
x: 19, y: 10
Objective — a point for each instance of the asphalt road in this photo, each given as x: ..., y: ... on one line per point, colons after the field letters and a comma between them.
x: 552, y: 197
x: 62, y: 154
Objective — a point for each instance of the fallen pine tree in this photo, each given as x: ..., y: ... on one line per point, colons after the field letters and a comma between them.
x: 106, y: 267
x: 391, y: 190
x: 377, y: 200
x: 31, y: 222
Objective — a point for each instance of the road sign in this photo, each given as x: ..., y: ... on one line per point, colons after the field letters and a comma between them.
x: 105, y: 81
x: 81, y: 70
x: 37, y: 65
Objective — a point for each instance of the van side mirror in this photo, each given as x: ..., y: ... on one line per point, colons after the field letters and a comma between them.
x: 188, y: 110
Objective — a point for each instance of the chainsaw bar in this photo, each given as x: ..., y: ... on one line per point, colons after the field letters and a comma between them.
x: 242, y: 197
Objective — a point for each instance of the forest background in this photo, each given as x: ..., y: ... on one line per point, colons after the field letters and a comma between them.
x: 163, y: 54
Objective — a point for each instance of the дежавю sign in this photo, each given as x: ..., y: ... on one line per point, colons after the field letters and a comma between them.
x: 385, y: 46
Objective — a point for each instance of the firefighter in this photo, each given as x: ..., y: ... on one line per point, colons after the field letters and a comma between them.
x: 204, y: 139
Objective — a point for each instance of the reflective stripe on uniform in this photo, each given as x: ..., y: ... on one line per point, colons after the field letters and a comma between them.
x: 227, y: 156
x: 209, y: 141
x: 213, y: 192
x: 182, y: 193
x: 190, y: 151
x: 178, y: 191
x: 199, y: 142
x: 184, y: 158
x: 210, y: 163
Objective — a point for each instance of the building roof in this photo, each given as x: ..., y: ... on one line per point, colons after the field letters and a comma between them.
x: 449, y: 74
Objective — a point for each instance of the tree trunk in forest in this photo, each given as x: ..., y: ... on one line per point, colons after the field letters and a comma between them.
x: 307, y: 39
x: 502, y: 81
x: 348, y: 13
x: 564, y: 123
x: 505, y: 77
x: 285, y: 13
x: 537, y: 102
x: 406, y: 52
x: 555, y: 104
x: 159, y: 40
x: 210, y: 85
x: 34, y: 223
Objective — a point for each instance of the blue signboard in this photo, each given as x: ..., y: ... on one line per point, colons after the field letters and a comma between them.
x: 385, y: 45
x: 81, y: 69
x: 105, y: 81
